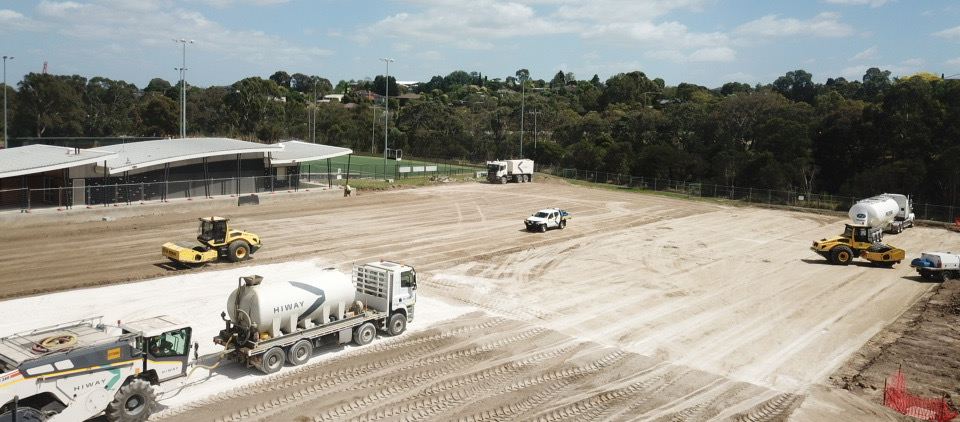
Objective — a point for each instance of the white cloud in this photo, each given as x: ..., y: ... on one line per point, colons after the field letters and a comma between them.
x: 871, y: 3
x: 824, y: 25
x: 473, y: 25
x: 954, y: 62
x: 625, y: 11
x: 951, y: 34
x: 868, y: 54
x: 11, y: 21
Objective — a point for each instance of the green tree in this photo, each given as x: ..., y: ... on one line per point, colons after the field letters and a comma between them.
x: 50, y: 105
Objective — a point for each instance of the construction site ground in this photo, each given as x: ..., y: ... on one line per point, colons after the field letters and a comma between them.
x: 645, y: 307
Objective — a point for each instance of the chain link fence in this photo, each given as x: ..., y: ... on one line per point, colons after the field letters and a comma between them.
x: 923, y: 211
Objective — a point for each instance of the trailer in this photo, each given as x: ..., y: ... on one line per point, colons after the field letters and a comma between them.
x: 270, y: 324
x: 891, y: 212
x: 937, y: 265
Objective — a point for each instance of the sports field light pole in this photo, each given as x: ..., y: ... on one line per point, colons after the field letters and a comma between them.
x: 5, y: 99
x: 386, y: 119
x: 183, y: 88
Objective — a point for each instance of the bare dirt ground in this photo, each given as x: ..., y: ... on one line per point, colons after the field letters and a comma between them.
x: 644, y: 308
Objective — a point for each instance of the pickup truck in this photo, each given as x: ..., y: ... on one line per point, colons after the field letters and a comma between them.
x: 549, y: 218
x: 937, y: 265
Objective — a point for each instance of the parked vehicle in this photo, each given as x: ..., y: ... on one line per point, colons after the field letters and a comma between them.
x: 892, y: 212
x: 268, y: 324
x: 504, y: 171
x: 937, y: 265
x: 550, y: 218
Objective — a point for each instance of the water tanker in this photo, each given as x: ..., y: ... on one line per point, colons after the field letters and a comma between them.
x: 271, y: 322
x: 277, y: 307
x: 890, y: 211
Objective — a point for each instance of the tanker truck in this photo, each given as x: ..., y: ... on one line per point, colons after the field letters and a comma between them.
x: 273, y: 322
x: 503, y: 171
x: 891, y: 212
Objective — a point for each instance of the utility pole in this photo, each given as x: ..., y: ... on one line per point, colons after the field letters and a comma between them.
x: 5, y: 99
x: 386, y: 105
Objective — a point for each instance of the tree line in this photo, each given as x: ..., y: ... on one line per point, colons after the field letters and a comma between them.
x: 854, y: 138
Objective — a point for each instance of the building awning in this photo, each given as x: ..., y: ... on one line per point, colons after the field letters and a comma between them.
x: 137, y: 155
x: 38, y: 158
x: 298, y: 151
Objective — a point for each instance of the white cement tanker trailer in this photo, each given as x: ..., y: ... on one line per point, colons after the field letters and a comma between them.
x: 891, y: 212
x: 269, y: 322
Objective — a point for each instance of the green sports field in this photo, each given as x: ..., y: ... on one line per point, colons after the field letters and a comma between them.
x: 373, y: 167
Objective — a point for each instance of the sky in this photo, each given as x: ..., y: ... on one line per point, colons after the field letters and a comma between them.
x: 703, y: 42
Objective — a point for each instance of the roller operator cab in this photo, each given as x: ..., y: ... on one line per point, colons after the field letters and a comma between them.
x: 858, y: 241
x: 80, y: 369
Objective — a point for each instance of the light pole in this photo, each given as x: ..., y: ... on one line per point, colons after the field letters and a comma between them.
x: 535, y: 113
x: 386, y: 118
x: 523, y: 97
x: 5, y: 99
x: 183, y: 88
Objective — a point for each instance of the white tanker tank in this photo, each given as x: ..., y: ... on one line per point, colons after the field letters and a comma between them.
x: 890, y: 211
x: 277, y: 308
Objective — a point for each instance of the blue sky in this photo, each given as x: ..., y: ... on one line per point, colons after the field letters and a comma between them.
x: 704, y: 42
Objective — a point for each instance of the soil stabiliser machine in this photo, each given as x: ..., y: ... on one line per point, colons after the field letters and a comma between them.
x: 858, y: 241
x: 217, y: 240
x: 74, y: 371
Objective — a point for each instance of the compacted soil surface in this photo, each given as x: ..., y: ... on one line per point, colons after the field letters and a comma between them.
x: 645, y: 307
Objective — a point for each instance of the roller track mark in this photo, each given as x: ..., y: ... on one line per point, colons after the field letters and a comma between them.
x: 556, y: 381
x: 448, y: 398
x: 331, y: 378
x: 471, y: 378
x: 773, y: 410
x: 454, y: 291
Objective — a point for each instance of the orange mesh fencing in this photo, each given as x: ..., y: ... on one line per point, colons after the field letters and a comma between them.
x: 895, y: 396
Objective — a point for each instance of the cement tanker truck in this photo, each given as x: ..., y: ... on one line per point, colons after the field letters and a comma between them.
x: 272, y: 322
x: 891, y: 212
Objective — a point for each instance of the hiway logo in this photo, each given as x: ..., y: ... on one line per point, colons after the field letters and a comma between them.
x: 321, y: 297
x: 287, y: 307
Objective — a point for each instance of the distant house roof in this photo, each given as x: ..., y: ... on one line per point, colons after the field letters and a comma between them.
x: 299, y: 151
x: 39, y: 158
x: 409, y: 96
x: 151, y: 153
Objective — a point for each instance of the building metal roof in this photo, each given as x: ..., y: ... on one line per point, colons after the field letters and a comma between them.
x: 299, y: 151
x: 40, y: 158
x: 151, y: 153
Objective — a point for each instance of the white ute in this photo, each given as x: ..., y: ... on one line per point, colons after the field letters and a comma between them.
x: 550, y: 218
x: 937, y: 265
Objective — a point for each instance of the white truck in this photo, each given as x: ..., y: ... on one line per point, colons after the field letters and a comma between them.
x: 503, y: 171
x: 548, y: 218
x: 937, y: 265
x: 268, y: 324
x: 892, y: 212
x: 77, y: 370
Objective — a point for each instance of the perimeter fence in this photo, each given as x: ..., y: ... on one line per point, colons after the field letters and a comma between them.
x: 80, y: 193
x: 923, y: 211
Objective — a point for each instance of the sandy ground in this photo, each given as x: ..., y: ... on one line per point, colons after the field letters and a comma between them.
x: 644, y: 308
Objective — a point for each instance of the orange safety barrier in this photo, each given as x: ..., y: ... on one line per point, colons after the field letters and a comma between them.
x: 895, y: 396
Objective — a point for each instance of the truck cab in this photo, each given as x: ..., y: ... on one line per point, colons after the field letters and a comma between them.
x: 164, y: 344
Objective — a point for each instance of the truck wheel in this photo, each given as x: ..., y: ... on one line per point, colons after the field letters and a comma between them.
x: 24, y: 414
x: 134, y: 402
x: 272, y: 360
x: 397, y: 324
x: 944, y: 276
x: 364, y: 334
x: 503, y: 180
x: 841, y: 255
x: 563, y: 223
x: 239, y: 251
x: 300, y: 352
x: 543, y: 228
